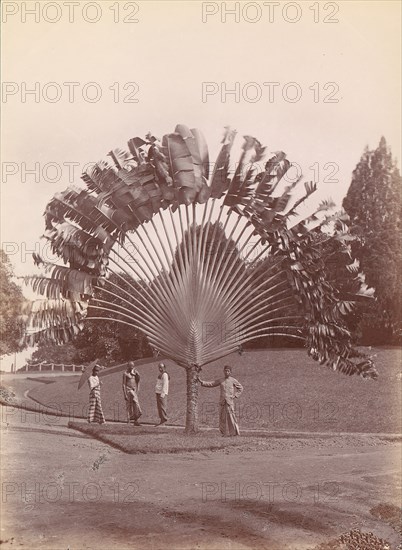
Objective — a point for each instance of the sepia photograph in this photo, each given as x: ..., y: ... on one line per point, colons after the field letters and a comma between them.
x: 200, y: 275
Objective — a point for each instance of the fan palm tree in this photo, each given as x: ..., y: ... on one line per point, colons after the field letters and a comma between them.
x: 215, y: 260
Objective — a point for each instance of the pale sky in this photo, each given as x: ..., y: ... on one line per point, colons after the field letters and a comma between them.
x: 168, y: 55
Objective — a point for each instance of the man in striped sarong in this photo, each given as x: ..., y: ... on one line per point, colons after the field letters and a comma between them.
x: 230, y: 390
x: 95, y: 413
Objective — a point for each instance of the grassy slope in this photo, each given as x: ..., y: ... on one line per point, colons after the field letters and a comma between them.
x: 147, y: 439
x: 283, y: 390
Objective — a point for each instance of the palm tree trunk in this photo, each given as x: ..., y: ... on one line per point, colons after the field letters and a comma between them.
x: 192, y: 400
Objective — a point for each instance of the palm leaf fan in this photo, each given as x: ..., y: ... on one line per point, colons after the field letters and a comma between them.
x: 203, y: 263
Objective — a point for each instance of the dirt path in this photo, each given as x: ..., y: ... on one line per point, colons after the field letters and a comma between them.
x: 62, y: 490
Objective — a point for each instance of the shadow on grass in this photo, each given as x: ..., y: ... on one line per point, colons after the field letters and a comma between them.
x: 51, y: 431
x: 148, y: 439
x: 42, y: 379
x: 173, y: 439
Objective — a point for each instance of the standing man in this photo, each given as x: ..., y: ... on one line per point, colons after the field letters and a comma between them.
x: 95, y: 413
x: 230, y: 390
x: 131, y: 387
x: 161, y: 391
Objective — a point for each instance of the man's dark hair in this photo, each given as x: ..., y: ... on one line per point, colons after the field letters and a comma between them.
x: 95, y: 369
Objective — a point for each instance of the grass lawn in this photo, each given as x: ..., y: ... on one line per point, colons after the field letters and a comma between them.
x: 283, y: 390
x: 42, y: 379
x: 135, y: 440
x: 146, y: 439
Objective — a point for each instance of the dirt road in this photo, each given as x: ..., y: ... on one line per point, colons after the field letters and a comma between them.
x: 62, y: 490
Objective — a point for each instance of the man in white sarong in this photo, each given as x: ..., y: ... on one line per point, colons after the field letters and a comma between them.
x: 161, y: 392
x: 230, y: 390
x: 131, y: 387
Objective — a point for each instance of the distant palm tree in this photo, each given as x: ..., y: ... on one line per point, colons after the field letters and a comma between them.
x: 215, y: 260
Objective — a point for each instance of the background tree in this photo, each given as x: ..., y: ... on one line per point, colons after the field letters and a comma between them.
x: 11, y: 301
x: 105, y: 339
x: 373, y: 202
x: 101, y: 337
x: 53, y: 353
